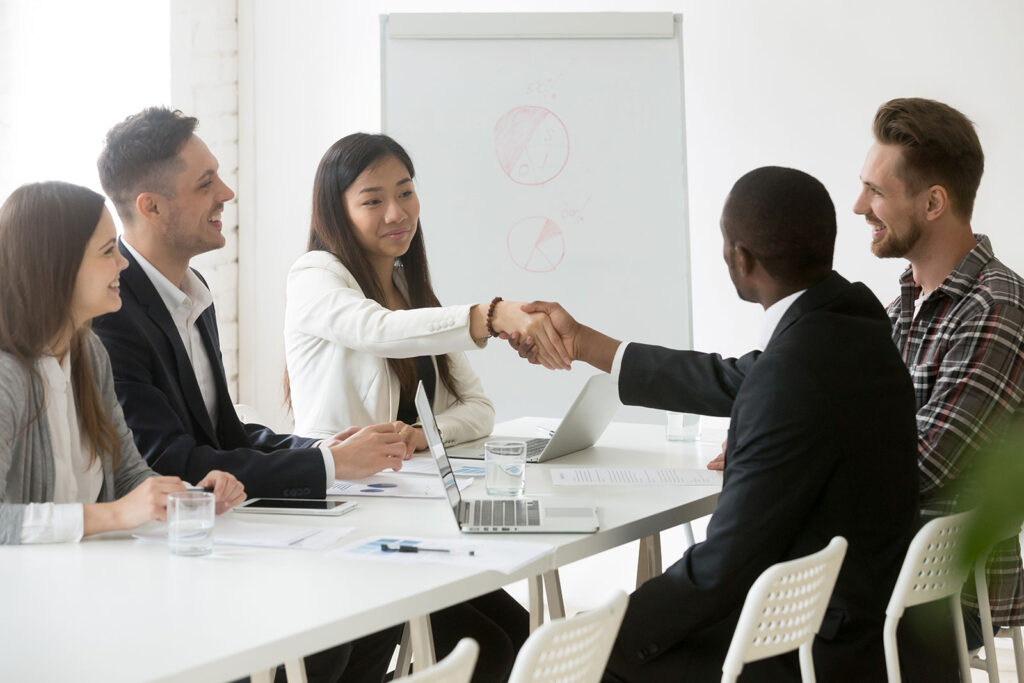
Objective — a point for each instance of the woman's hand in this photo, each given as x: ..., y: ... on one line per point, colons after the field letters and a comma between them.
x: 227, y: 490
x: 147, y: 502
x: 536, y: 328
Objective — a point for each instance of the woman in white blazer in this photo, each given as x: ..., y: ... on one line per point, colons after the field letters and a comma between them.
x: 68, y: 464
x: 363, y: 326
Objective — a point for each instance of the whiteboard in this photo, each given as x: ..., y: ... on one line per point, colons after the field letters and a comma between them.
x: 551, y: 164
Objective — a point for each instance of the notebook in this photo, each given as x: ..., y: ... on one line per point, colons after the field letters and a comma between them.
x: 582, y: 426
x: 499, y: 515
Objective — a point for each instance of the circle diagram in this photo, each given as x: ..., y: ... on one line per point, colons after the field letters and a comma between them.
x: 532, y: 145
x: 536, y: 244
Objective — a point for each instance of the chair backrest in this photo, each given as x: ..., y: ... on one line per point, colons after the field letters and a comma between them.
x: 572, y: 650
x: 932, y: 569
x: 785, y: 607
x: 457, y: 667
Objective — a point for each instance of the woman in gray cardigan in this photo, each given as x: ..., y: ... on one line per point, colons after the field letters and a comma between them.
x: 68, y: 465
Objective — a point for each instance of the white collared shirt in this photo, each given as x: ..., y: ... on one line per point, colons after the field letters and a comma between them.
x: 76, y: 480
x: 772, y: 316
x: 185, y: 304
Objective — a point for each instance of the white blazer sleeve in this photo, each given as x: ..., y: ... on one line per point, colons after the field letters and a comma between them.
x: 324, y: 300
x: 474, y: 417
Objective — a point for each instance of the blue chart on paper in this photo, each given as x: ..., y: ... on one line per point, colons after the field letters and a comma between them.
x: 373, y: 547
x: 377, y: 488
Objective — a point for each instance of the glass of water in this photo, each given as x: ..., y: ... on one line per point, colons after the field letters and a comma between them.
x: 505, y: 468
x: 190, y: 522
x: 682, y: 426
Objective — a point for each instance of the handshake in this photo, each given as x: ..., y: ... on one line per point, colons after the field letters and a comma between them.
x: 545, y: 334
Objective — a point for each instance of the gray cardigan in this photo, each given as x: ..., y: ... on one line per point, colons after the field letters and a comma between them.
x: 26, y: 454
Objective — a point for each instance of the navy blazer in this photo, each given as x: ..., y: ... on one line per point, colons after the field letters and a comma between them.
x: 822, y: 442
x: 158, y: 391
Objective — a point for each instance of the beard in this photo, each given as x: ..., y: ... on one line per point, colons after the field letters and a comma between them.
x: 897, y: 245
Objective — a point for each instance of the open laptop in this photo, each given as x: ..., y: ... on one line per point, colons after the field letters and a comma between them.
x: 499, y: 515
x: 582, y: 426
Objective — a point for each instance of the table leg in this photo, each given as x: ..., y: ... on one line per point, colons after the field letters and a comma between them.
x: 295, y: 671
x: 648, y: 563
x: 553, y: 587
x: 688, y: 533
x: 404, y: 654
x: 263, y: 675
x: 536, y: 601
x: 422, y: 639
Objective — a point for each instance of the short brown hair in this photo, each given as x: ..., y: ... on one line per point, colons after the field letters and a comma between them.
x: 940, y: 147
x: 141, y: 155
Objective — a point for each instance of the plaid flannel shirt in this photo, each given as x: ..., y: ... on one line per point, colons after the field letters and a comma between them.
x: 965, y: 353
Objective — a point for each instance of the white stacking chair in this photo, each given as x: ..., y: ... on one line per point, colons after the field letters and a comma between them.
x: 990, y: 663
x: 784, y: 610
x: 571, y: 650
x: 457, y: 667
x: 931, y: 571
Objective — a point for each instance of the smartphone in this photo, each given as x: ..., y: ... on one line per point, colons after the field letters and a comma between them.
x: 296, y: 506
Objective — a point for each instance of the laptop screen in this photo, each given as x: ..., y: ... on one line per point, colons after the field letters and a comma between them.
x: 451, y: 488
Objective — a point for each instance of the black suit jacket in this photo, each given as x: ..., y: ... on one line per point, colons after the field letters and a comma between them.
x: 822, y: 442
x: 157, y: 389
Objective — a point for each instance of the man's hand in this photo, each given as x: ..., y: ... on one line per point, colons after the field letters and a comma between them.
x: 415, y: 439
x: 227, y: 490
x: 718, y: 462
x: 511, y: 318
x: 367, y: 451
x: 578, y: 342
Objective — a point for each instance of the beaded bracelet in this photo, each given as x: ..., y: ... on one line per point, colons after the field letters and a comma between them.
x: 490, y: 316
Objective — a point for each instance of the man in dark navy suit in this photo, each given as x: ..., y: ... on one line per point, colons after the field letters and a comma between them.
x: 822, y: 443
x: 165, y: 349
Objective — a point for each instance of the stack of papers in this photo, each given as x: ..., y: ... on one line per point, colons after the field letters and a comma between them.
x: 393, y: 485
x: 425, y: 464
x: 502, y: 556
x: 611, y: 476
x: 229, y: 531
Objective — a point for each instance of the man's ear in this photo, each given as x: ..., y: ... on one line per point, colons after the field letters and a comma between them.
x: 149, y: 205
x: 938, y: 202
x: 743, y: 259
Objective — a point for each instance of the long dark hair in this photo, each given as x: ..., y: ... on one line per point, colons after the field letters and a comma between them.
x: 330, y: 230
x: 44, y: 229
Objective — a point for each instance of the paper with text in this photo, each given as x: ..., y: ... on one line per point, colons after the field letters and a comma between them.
x: 613, y: 476
x: 502, y: 556
x: 230, y: 531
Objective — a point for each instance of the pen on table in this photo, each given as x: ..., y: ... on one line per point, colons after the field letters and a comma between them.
x: 545, y: 431
x: 419, y: 549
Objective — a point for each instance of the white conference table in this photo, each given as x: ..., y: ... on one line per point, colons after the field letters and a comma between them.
x: 115, y: 609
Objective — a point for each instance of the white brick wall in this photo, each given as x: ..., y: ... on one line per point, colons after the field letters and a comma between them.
x: 204, y: 84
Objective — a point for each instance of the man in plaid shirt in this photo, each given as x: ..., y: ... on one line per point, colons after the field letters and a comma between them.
x: 959, y: 319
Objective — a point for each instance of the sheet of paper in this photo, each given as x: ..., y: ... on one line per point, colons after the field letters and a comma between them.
x: 502, y: 556
x: 389, y: 485
x: 425, y: 464
x: 229, y: 530
x: 614, y: 476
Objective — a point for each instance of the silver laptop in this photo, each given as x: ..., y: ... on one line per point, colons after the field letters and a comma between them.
x: 582, y: 426
x: 499, y: 515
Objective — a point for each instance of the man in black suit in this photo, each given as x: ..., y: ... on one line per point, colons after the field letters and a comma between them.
x: 164, y: 345
x: 822, y: 443
x: 165, y: 349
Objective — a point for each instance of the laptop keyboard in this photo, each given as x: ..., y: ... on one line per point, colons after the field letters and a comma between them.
x: 535, y: 447
x: 505, y: 513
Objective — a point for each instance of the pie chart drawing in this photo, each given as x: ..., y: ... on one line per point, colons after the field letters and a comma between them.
x: 532, y: 145
x: 536, y: 244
